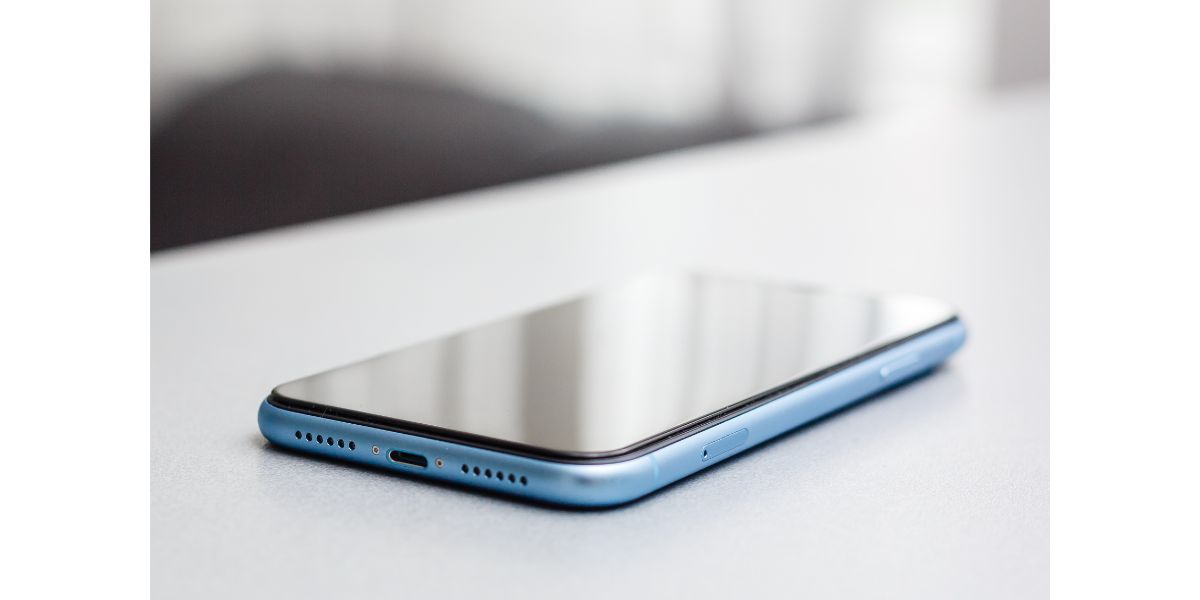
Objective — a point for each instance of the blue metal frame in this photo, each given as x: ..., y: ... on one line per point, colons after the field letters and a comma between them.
x: 620, y: 481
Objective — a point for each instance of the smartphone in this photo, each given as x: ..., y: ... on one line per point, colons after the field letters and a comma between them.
x: 609, y: 396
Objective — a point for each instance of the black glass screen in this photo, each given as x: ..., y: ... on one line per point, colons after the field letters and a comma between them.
x: 610, y: 369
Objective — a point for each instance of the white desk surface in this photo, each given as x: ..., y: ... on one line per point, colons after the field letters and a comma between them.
x: 936, y: 490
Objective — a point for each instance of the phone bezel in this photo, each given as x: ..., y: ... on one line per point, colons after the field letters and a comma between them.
x: 621, y: 454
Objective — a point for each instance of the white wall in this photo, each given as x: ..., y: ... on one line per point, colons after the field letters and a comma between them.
x: 771, y: 61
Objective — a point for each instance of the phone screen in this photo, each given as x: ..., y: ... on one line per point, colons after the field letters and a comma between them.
x: 614, y: 368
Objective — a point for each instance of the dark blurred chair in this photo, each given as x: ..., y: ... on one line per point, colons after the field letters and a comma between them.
x: 281, y: 148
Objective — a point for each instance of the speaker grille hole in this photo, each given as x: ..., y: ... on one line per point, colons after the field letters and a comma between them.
x: 323, y: 439
x: 490, y: 474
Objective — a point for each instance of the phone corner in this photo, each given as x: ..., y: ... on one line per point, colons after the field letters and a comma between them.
x: 958, y: 334
x: 267, y: 418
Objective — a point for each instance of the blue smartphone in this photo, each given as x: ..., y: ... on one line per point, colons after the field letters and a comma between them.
x: 607, y: 397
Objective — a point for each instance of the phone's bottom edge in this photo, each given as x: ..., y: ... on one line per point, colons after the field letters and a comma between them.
x: 609, y: 484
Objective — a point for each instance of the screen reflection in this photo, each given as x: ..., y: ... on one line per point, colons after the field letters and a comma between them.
x: 612, y: 368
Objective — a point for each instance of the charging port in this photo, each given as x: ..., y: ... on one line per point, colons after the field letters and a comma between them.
x: 408, y: 458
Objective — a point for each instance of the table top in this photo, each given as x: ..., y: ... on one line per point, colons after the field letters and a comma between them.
x: 935, y: 490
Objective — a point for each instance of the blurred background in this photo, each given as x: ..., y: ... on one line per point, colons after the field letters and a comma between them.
x: 268, y: 113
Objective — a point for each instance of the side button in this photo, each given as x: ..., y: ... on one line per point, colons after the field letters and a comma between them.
x: 725, y: 444
x: 900, y: 367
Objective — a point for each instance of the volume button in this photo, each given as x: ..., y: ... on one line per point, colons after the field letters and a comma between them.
x: 900, y: 367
